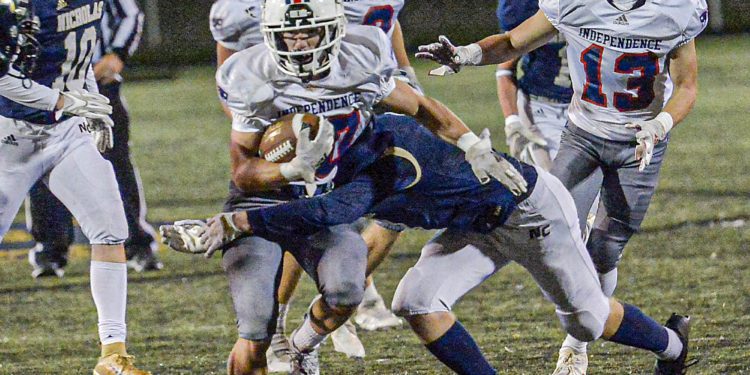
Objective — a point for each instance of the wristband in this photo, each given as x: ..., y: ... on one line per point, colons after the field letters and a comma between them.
x: 289, y: 171
x: 512, y: 118
x: 504, y: 73
x: 472, y: 54
x: 467, y: 140
x: 666, y: 121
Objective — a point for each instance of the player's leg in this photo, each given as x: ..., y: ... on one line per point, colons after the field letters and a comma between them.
x: 372, y: 313
x: 253, y: 266
x: 86, y: 184
x: 336, y: 259
x: 450, y: 265
x: 141, y: 244
x: 558, y: 261
x: 277, y: 354
x: 51, y: 225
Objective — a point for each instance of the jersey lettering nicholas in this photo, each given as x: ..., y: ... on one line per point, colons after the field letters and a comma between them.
x: 325, y: 105
x: 80, y: 16
x: 618, y: 42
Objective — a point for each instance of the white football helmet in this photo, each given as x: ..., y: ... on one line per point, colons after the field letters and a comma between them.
x: 285, y: 16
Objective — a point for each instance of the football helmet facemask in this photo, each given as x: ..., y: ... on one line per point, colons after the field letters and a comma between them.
x: 18, y: 43
x: 322, y: 18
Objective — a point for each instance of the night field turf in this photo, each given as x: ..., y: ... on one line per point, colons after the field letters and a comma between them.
x: 691, y: 258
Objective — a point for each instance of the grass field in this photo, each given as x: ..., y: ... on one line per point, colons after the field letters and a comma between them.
x: 692, y: 257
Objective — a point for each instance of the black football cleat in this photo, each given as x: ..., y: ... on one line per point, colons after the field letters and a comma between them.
x: 679, y: 366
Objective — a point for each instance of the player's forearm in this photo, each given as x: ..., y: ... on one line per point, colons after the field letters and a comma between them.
x: 399, y: 49
x: 256, y: 174
x: 683, y: 69
x: 529, y: 35
x: 441, y: 120
x: 497, y: 49
x: 29, y: 93
x: 506, y: 88
x: 682, y: 101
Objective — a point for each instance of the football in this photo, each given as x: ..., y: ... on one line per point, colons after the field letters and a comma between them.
x: 279, y: 140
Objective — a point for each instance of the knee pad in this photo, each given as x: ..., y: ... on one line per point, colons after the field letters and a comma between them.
x: 584, y: 325
x: 344, y: 294
x: 606, y: 245
x: 256, y: 326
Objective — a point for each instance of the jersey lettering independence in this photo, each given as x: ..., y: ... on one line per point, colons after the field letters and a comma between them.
x: 235, y: 24
x: 258, y: 93
x: 545, y: 69
x: 618, y: 59
x: 68, y: 37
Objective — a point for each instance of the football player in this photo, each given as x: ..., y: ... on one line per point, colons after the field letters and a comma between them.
x: 235, y: 25
x: 402, y: 173
x: 49, y: 108
x: 310, y: 61
x: 48, y: 220
x: 634, y: 73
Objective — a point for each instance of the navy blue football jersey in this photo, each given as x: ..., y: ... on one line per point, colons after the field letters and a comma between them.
x: 544, y: 70
x: 399, y: 172
x: 68, y: 36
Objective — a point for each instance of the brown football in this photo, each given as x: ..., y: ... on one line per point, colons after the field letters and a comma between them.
x: 279, y: 140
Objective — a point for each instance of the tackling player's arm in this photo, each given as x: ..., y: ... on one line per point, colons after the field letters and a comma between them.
x: 249, y: 172
x: 399, y: 49
x: 683, y: 69
x: 507, y: 87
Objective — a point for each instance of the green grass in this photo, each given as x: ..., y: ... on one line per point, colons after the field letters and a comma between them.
x: 181, y: 321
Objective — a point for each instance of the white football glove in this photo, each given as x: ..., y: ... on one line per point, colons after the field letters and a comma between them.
x: 648, y: 134
x: 485, y: 163
x: 451, y: 57
x: 102, y: 131
x: 221, y: 231
x: 184, y: 236
x: 517, y: 135
x: 309, y: 154
x: 85, y: 104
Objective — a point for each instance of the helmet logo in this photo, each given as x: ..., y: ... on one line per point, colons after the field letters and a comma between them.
x: 298, y: 15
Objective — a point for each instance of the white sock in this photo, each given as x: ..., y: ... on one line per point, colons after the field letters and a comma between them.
x: 371, y: 294
x: 578, y: 346
x: 305, y: 339
x: 109, y: 287
x: 609, y: 282
x: 674, y: 348
x: 281, y: 320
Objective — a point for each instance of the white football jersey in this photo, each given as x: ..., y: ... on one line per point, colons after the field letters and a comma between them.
x: 258, y: 93
x: 619, y: 59
x: 380, y: 13
x: 235, y: 24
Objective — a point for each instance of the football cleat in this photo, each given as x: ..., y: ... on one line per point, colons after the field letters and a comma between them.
x: 42, y: 265
x: 374, y: 315
x: 681, y: 325
x: 277, y: 355
x: 116, y: 364
x: 571, y: 363
x: 184, y: 236
x: 345, y: 341
x: 304, y: 363
x: 143, y: 259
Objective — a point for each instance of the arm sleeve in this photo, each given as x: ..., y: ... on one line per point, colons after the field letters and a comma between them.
x: 696, y: 23
x: 305, y: 217
x: 126, y: 20
x: 31, y: 95
x: 551, y: 9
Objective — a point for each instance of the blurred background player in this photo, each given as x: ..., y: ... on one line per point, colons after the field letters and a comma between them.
x: 235, y: 26
x: 630, y: 89
x: 49, y: 222
x: 51, y: 122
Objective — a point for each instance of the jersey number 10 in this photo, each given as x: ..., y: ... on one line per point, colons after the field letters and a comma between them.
x: 79, y: 51
x: 628, y: 63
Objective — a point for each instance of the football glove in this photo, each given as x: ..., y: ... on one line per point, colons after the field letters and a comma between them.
x: 648, y: 134
x: 85, y: 104
x: 102, y: 131
x: 517, y: 135
x: 451, y: 57
x: 309, y: 154
x: 485, y: 163
x: 184, y: 236
x: 221, y: 230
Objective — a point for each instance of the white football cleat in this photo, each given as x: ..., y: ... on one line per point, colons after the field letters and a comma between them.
x: 345, y: 341
x: 571, y: 363
x: 277, y: 355
x: 304, y: 363
x: 184, y: 236
x: 373, y: 315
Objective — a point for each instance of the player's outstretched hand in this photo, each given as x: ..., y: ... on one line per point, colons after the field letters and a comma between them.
x: 648, y: 134
x: 486, y: 163
x: 102, y: 131
x: 184, y: 236
x: 221, y: 230
x: 451, y: 57
x: 517, y: 135
x: 85, y: 104
x: 309, y: 154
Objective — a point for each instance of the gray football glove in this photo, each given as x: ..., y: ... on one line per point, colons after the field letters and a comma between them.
x: 102, y: 131
x: 85, y: 104
x: 485, y: 163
